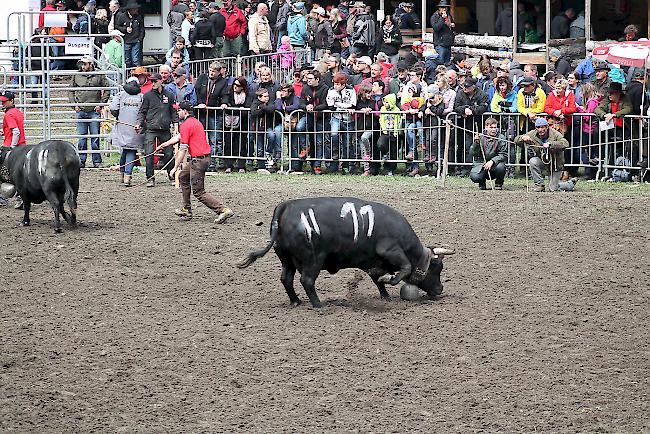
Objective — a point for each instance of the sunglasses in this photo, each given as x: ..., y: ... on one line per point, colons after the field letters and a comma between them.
x: 236, y: 85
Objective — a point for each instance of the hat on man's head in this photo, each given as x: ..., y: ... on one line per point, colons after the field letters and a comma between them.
x: 155, y: 76
x: 541, y: 122
x: 615, y: 87
x: 601, y: 66
x: 320, y: 11
x: 180, y: 71
x: 469, y: 81
x: 358, y: 4
x: 7, y: 95
x: 554, y: 52
x: 306, y: 67
x: 140, y: 70
x: 443, y: 4
x: 365, y: 59
x: 116, y: 32
x: 402, y: 65
x: 185, y: 105
x: 639, y: 73
x: 59, y: 3
x: 86, y: 59
x: 299, y: 6
x: 527, y: 81
x: 213, y: 5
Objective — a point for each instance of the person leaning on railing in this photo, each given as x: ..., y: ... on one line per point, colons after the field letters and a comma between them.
x: 612, y: 109
x: 263, y: 121
x: 586, y: 132
x: 287, y: 102
x: 314, y: 102
x: 341, y: 98
x: 369, y: 102
x: 236, y: 126
x: 211, y: 87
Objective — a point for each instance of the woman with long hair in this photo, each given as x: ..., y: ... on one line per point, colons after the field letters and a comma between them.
x: 235, y: 125
x: 587, y: 137
x: 341, y: 43
x: 391, y: 39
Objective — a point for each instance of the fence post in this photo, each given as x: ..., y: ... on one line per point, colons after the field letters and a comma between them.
x: 445, y: 166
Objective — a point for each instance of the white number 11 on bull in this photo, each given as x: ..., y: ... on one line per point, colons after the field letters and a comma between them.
x: 349, y: 208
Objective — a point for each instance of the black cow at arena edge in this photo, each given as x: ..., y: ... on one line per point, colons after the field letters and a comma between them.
x: 333, y: 233
x: 47, y: 171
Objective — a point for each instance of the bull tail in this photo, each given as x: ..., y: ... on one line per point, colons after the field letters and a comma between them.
x: 275, y: 232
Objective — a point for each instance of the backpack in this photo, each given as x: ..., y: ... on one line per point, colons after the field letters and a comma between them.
x: 621, y: 175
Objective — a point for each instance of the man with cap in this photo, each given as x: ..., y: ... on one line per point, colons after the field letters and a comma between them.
x: 415, y: 55
x: 531, y: 99
x: 181, y: 87
x: 545, y: 149
x: 297, y: 27
x: 155, y: 118
x: 601, y: 81
x: 324, y: 35
x: 562, y: 66
x: 88, y: 106
x: 142, y: 75
x: 114, y: 50
x: 443, y: 31
x: 130, y: 22
x: 470, y: 104
x: 193, y: 142
x: 612, y: 109
x: 13, y: 123
x: 409, y: 19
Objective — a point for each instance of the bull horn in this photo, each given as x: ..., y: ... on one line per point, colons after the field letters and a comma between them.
x: 443, y: 251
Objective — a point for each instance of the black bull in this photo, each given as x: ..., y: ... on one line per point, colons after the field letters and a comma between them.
x: 47, y: 171
x: 333, y: 233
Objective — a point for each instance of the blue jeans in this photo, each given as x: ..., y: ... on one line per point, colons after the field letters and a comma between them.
x: 413, y: 128
x: 316, y: 126
x: 133, y: 54
x: 265, y: 145
x: 126, y: 161
x: 340, y: 142
x: 213, y: 124
x: 274, y: 147
x: 444, y: 54
x: 57, y: 52
x: 91, y: 127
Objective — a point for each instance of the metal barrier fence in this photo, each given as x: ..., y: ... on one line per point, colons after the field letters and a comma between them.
x: 282, y: 64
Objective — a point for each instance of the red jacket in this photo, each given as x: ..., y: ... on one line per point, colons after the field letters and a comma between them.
x: 235, y: 22
x: 41, y: 17
x: 566, y: 103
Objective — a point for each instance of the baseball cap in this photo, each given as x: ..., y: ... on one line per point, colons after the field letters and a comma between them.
x: 155, y: 76
x: 116, y: 32
x: 320, y: 11
x: 554, y: 52
x: 527, y: 81
x: 299, y: 6
x: 365, y: 59
x: 7, y: 95
x: 469, y: 81
x: 185, y: 105
x: 180, y: 71
x: 86, y: 59
x: 541, y: 122
x: 601, y: 66
x: 213, y: 5
x: 140, y: 70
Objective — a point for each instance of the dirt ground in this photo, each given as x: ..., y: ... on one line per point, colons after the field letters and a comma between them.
x: 137, y: 322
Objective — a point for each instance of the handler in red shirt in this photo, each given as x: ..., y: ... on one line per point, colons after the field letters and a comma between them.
x: 192, y: 176
x: 13, y: 124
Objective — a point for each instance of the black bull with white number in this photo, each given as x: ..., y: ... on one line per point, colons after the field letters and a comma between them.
x: 333, y: 233
x: 47, y: 171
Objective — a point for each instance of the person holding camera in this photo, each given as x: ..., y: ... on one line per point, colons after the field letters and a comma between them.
x: 443, y: 31
x: 489, y: 155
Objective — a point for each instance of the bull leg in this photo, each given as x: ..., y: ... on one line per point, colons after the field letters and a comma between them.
x: 288, y: 274
x: 375, y: 274
x: 64, y: 214
x: 56, y: 207
x: 27, y: 205
x: 395, y: 256
x: 308, y: 277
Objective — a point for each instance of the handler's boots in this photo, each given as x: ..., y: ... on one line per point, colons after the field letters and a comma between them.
x: 224, y: 215
x: 184, y: 213
x: 127, y: 180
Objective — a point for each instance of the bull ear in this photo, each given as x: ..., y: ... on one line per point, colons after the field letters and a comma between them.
x: 442, y: 251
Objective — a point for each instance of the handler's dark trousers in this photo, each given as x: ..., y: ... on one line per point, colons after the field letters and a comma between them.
x: 192, y: 180
x: 497, y: 173
x: 153, y: 138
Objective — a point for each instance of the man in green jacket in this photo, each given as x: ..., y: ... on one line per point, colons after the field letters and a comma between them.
x: 489, y: 155
x: 88, y: 105
x: 545, y: 148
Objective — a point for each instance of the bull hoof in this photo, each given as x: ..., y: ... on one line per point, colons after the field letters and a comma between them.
x: 296, y: 303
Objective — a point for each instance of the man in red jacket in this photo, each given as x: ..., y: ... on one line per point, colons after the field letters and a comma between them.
x: 235, y: 29
x: 49, y: 7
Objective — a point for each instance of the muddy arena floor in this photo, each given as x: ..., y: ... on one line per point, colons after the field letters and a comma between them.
x: 137, y: 322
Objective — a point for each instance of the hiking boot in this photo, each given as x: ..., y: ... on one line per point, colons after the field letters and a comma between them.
x: 229, y: 170
x: 127, y: 180
x: 409, y: 156
x: 573, y: 180
x: 151, y: 183
x: 224, y: 215
x: 185, y: 212
x: 538, y: 188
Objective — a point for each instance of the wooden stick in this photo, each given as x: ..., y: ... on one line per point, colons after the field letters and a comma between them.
x: 492, y: 182
x: 445, y: 166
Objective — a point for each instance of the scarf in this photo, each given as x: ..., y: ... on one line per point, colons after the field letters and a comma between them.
x: 239, y: 97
